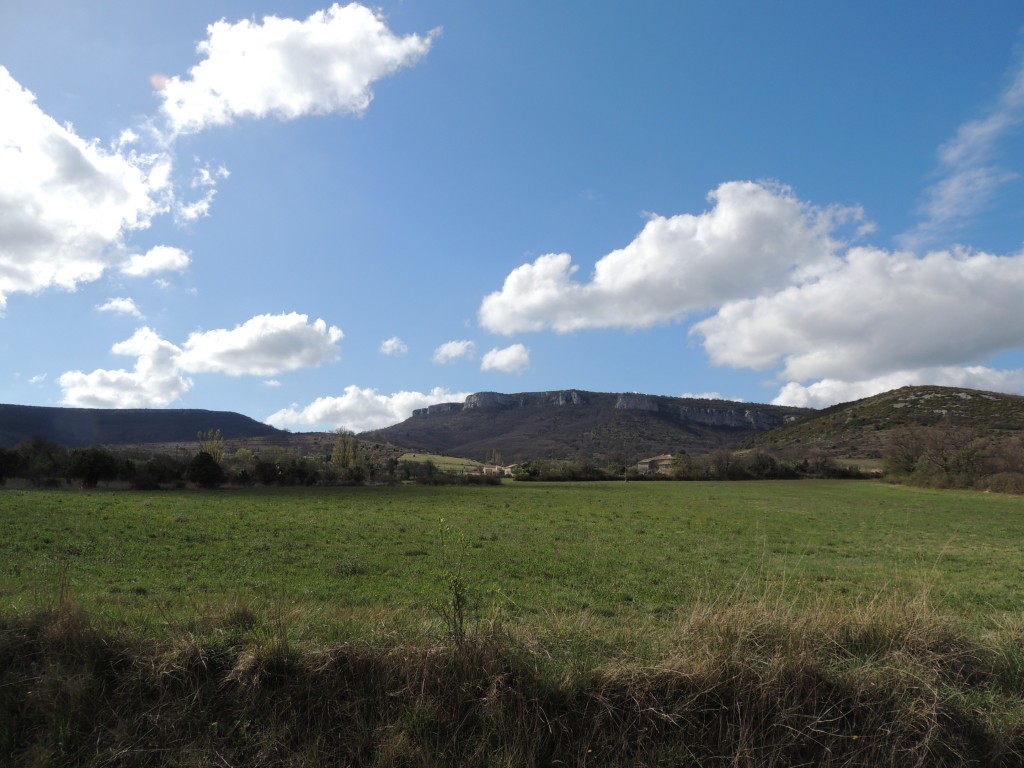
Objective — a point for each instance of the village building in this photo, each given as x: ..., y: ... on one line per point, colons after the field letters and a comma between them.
x: 662, y: 464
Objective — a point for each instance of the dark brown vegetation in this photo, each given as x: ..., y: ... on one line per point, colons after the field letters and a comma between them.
x: 740, y: 687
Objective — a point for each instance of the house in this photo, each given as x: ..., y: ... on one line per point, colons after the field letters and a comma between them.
x: 662, y: 464
x: 497, y: 470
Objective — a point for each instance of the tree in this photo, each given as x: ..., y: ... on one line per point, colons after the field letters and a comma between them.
x: 212, y: 442
x: 721, y: 464
x: 762, y: 465
x: 205, y: 471
x: 90, y: 465
x: 267, y: 472
x: 684, y: 467
x: 347, y: 457
x: 41, y: 460
x: 943, y: 454
x: 951, y: 452
x: 904, y: 450
x: 10, y: 464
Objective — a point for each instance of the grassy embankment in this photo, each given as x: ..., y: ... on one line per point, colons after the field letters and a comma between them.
x: 633, y: 624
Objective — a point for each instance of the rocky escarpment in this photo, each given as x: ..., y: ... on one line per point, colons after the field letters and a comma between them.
x: 496, y: 401
x: 721, y: 413
x: 761, y: 419
x: 715, y: 413
x: 573, y: 423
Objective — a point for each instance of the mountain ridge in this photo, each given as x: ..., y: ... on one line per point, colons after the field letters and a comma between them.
x: 562, y: 424
x: 78, y: 427
x: 569, y: 423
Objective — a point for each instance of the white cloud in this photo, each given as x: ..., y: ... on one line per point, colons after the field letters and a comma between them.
x: 451, y: 351
x: 66, y: 204
x: 710, y: 396
x: 361, y: 409
x: 263, y: 346
x: 788, y: 293
x: 826, y: 392
x: 754, y: 238
x: 162, y: 258
x: 288, y: 68
x: 272, y: 383
x: 156, y: 380
x: 513, y: 359
x: 873, y: 313
x: 121, y: 306
x: 39, y: 378
x: 969, y: 174
x: 394, y: 347
x: 205, y: 180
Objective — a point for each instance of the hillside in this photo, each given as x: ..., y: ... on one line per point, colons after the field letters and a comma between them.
x: 862, y: 428
x: 74, y: 427
x: 600, y: 427
x: 570, y: 423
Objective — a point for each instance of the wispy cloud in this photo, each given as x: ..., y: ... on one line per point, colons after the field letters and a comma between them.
x: 969, y: 172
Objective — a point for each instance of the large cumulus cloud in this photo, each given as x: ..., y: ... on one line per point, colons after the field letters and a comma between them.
x: 361, y: 409
x: 752, y: 240
x: 262, y: 346
x: 785, y: 287
x: 288, y: 68
x: 67, y: 204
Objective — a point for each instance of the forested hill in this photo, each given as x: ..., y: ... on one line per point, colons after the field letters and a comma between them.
x: 74, y: 427
x: 574, y: 423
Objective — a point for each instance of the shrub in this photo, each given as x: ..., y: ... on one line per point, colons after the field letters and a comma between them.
x: 204, y: 471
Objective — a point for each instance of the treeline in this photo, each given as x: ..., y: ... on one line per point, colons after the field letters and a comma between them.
x: 722, y: 464
x: 938, y: 456
x: 953, y: 456
x: 43, y: 463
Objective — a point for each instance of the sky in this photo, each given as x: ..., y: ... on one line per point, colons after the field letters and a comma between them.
x: 325, y: 216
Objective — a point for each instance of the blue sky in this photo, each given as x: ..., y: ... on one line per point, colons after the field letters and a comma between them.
x: 326, y: 216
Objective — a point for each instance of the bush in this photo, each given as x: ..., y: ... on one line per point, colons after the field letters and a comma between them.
x: 1005, y: 482
x: 204, y: 471
x: 90, y: 465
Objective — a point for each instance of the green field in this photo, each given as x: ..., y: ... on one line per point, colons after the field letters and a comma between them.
x: 622, y: 552
x: 443, y: 463
x: 607, y: 624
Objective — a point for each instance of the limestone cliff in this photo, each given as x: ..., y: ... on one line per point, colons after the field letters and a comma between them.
x: 571, y: 422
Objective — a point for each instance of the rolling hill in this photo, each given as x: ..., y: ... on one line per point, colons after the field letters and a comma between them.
x: 861, y: 429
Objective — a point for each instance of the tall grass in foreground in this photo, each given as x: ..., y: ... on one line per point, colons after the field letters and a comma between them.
x: 883, y: 684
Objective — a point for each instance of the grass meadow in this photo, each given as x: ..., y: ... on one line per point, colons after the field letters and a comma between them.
x: 751, y: 623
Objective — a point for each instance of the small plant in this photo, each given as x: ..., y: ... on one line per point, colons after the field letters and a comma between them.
x: 457, y: 604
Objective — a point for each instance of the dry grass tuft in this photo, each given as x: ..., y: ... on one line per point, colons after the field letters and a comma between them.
x: 742, y: 685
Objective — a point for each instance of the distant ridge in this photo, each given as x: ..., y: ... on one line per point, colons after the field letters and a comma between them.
x: 76, y: 427
x: 576, y: 423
